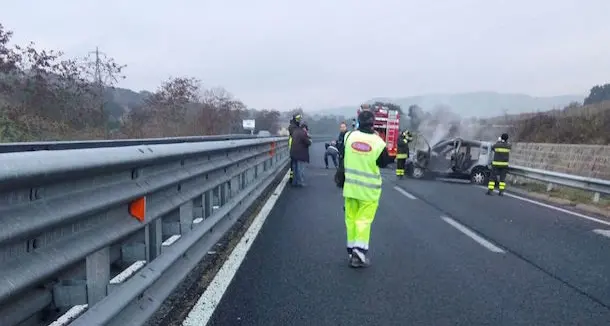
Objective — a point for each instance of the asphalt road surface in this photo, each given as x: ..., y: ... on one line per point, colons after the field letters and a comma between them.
x: 442, y: 254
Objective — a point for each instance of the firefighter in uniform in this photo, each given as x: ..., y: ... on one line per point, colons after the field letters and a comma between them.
x: 365, y: 152
x: 402, y: 152
x: 499, y: 165
x: 294, y: 123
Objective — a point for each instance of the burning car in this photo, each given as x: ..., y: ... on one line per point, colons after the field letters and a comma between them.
x: 453, y: 158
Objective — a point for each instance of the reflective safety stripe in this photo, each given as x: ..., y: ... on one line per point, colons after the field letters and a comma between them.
x: 399, y: 156
x: 501, y: 150
x: 498, y: 163
x: 362, y: 183
x: 364, y: 174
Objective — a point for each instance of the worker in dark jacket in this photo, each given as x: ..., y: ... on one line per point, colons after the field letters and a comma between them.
x: 294, y: 123
x: 402, y: 152
x: 499, y: 165
x: 342, y: 131
x: 299, y: 154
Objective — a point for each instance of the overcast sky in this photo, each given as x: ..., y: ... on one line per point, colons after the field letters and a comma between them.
x: 321, y: 53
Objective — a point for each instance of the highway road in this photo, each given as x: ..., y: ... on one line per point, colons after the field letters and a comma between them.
x: 442, y: 254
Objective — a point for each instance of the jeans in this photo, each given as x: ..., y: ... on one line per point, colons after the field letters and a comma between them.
x: 332, y: 156
x: 298, y: 167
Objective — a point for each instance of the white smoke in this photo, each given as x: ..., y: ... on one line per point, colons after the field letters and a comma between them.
x: 442, y: 123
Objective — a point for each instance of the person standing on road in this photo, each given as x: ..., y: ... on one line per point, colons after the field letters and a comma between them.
x: 342, y: 131
x: 499, y: 165
x: 294, y: 123
x: 402, y: 153
x: 365, y: 152
x: 299, y: 154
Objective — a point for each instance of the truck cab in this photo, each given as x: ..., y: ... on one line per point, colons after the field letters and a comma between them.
x: 387, y: 125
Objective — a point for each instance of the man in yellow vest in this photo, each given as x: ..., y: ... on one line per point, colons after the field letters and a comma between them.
x: 364, y: 153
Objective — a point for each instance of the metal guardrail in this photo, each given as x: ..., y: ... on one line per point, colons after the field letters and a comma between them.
x: 113, y: 231
x: 563, y: 179
x: 80, y: 144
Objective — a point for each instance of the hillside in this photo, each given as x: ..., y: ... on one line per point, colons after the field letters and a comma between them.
x: 476, y: 104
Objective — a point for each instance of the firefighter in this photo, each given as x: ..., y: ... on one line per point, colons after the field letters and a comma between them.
x: 294, y: 123
x: 364, y: 154
x: 402, y: 152
x: 499, y: 165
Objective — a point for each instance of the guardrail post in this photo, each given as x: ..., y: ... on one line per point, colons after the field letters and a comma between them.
x: 224, y: 193
x: 208, y: 205
x: 154, y: 239
x: 198, y: 207
x: 186, y: 217
x: 98, y: 275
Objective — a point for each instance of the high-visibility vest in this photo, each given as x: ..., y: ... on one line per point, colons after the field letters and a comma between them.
x: 362, y: 176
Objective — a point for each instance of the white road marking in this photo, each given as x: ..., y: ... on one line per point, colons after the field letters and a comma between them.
x: 404, y: 192
x: 473, y: 235
x: 563, y: 210
x: 128, y: 272
x: 209, y: 300
x: 70, y: 315
x: 605, y: 233
x: 170, y: 241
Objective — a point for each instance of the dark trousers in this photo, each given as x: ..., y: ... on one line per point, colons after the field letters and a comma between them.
x: 498, y: 176
x: 333, y: 156
x: 400, y: 166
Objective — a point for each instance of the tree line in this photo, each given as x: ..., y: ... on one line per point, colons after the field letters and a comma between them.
x: 46, y: 96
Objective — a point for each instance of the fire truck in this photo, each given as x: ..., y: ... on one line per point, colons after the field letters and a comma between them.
x: 387, y: 124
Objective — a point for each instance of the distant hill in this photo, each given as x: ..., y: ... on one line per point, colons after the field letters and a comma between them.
x: 476, y: 104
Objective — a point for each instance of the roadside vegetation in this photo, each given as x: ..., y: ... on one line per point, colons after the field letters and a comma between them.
x: 46, y: 96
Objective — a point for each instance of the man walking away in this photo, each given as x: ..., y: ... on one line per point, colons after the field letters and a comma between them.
x: 499, y: 165
x: 294, y: 123
x: 332, y: 151
x: 299, y: 154
x: 365, y: 153
x: 402, y: 153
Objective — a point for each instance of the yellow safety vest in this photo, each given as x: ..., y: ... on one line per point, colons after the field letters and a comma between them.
x: 362, y: 176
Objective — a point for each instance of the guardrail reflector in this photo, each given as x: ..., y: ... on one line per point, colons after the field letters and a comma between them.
x: 137, y: 209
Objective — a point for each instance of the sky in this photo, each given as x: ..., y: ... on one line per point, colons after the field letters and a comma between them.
x: 280, y: 54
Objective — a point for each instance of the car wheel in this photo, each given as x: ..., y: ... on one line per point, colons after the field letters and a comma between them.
x: 478, y: 176
x: 417, y: 172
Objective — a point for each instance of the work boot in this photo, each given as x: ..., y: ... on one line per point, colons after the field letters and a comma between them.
x: 489, y: 192
x: 359, y: 259
x: 501, y: 193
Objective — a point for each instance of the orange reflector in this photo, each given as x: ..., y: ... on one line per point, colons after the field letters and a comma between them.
x: 137, y: 208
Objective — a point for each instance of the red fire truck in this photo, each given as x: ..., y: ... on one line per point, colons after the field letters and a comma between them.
x: 387, y: 124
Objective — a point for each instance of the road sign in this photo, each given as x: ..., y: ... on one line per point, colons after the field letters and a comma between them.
x: 249, y: 124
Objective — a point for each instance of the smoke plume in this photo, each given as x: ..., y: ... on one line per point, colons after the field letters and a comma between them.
x: 442, y: 123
